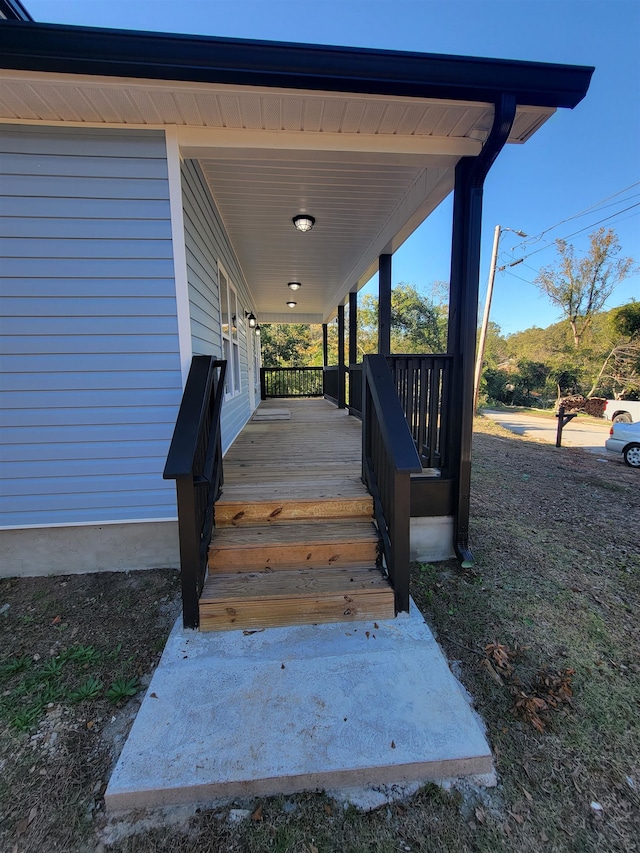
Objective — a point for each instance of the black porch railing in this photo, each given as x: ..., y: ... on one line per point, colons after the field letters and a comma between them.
x: 423, y: 384
x: 389, y: 457
x: 355, y: 390
x: 331, y: 375
x: 195, y: 463
x: 291, y: 382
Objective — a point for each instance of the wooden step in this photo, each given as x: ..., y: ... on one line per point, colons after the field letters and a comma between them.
x: 273, y: 599
x: 233, y: 513
x: 289, y: 546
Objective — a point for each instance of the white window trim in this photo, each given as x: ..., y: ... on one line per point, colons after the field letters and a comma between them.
x: 234, y: 368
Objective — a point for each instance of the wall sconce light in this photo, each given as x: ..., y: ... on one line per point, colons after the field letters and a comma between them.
x: 304, y: 222
x: 294, y: 285
x: 251, y: 318
x: 257, y: 330
x: 291, y: 304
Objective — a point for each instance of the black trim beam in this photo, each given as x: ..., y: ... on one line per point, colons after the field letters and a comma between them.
x: 384, y: 305
x: 341, y: 370
x: 353, y: 328
x: 325, y: 345
x: 67, y: 49
x: 463, y: 308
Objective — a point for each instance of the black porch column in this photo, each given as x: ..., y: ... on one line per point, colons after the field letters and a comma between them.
x: 341, y: 371
x: 463, y: 310
x: 325, y: 345
x: 384, y: 305
x: 353, y: 328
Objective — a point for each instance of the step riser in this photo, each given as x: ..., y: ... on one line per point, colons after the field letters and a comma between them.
x: 250, y: 614
x: 289, y: 557
x: 236, y: 514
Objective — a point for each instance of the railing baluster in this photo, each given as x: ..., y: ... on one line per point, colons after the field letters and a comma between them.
x: 281, y: 382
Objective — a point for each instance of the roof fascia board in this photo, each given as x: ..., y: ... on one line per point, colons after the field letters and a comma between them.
x: 84, y: 50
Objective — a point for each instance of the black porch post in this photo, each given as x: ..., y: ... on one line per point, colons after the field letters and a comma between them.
x: 384, y: 305
x: 353, y: 328
x: 463, y: 309
x: 341, y: 371
x: 325, y: 345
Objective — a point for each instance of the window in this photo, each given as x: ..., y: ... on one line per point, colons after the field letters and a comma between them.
x: 229, y: 320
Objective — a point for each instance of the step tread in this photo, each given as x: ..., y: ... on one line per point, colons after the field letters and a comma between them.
x: 256, y: 510
x: 257, y: 600
x: 303, y: 583
x: 295, y: 532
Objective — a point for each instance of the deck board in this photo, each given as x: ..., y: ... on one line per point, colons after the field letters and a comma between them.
x: 315, y: 454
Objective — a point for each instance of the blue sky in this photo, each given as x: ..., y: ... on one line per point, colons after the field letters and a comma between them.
x: 578, y: 159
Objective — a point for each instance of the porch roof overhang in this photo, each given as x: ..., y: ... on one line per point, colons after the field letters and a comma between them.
x: 365, y: 140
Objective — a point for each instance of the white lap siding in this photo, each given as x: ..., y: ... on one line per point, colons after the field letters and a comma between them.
x: 207, y: 245
x: 89, y: 340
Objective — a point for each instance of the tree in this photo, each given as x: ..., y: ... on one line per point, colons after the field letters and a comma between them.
x: 418, y: 322
x: 285, y: 344
x: 580, y: 287
x: 621, y: 367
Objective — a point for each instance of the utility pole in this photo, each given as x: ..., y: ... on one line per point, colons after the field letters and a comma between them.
x: 487, y: 307
x: 485, y: 317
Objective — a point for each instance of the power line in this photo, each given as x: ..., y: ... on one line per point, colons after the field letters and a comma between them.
x: 582, y: 212
x: 587, y: 227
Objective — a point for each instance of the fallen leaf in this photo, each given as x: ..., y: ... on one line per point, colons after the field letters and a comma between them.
x: 313, y: 848
x: 375, y: 625
x: 327, y: 809
x: 257, y: 815
x: 282, y: 666
x: 480, y: 815
x: 527, y: 795
x: 90, y: 724
x: 393, y: 744
x: 486, y: 663
x: 367, y: 634
x: 56, y: 620
x: 154, y: 695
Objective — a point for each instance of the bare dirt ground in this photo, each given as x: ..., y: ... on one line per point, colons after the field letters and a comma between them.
x: 543, y: 632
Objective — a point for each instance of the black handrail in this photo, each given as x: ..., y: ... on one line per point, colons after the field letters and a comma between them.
x: 194, y: 461
x: 290, y: 382
x: 389, y: 457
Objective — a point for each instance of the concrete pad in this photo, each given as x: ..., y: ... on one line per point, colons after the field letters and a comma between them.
x: 290, y: 709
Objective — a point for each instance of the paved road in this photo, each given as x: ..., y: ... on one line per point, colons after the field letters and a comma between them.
x: 577, y: 433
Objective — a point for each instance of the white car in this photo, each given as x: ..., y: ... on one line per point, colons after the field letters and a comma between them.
x: 625, y: 439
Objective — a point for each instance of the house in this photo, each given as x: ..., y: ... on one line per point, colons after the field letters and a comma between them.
x: 148, y: 187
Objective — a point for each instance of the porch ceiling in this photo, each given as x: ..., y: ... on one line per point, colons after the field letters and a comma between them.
x: 369, y: 168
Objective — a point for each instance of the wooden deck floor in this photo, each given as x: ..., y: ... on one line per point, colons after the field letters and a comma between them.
x: 314, y: 454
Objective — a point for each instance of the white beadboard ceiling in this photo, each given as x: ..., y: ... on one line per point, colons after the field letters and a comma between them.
x: 369, y: 168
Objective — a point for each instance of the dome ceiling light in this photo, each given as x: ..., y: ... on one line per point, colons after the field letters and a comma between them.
x: 294, y: 285
x: 304, y: 222
x: 291, y: 304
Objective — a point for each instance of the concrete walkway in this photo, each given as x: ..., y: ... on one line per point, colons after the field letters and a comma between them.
x: 291, y: 709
